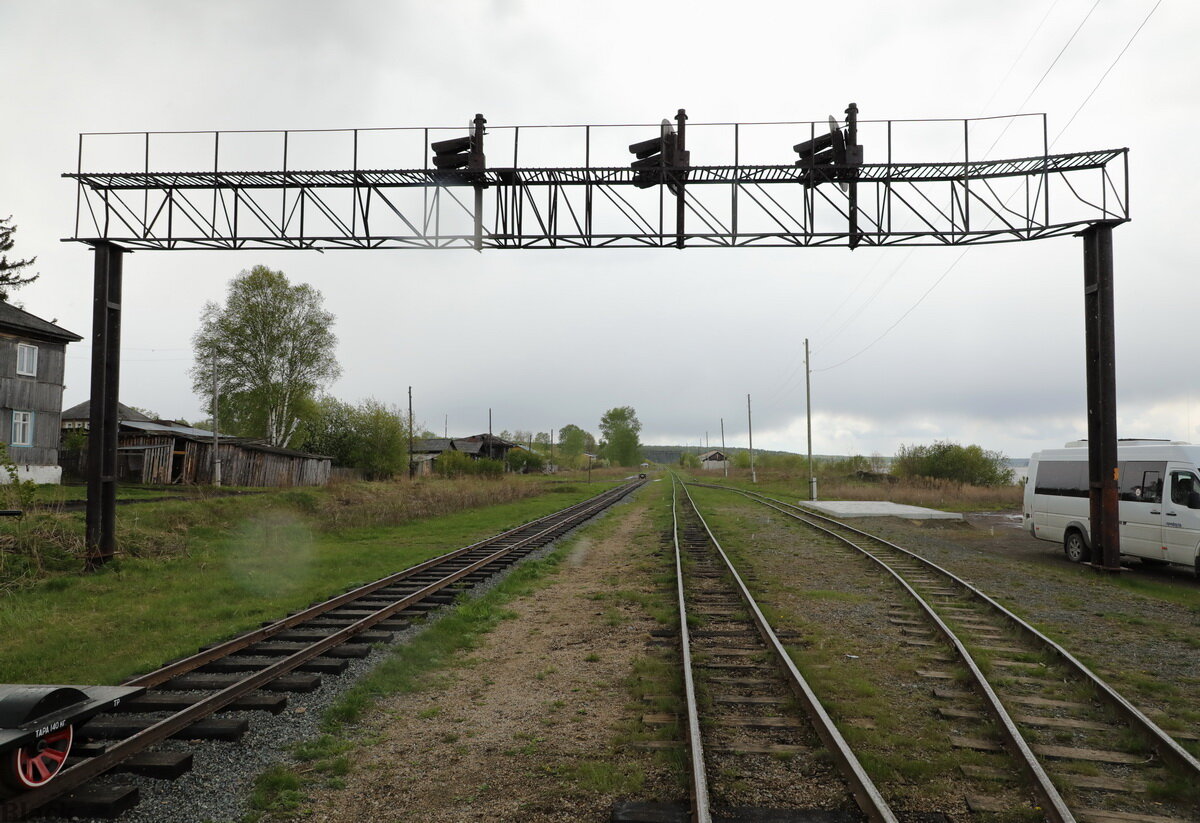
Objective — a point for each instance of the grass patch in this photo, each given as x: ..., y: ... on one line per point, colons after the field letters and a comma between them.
x: 246, y: 560
x: 608, y: 777
x: 277, y: 791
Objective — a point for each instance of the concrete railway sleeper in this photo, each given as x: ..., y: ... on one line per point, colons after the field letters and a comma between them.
x: 1093, y: 759
x: 746, y: 723
x: 45, y: 764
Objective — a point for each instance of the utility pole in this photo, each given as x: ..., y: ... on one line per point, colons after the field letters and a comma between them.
x: 446, y: 427
x: 216, y: 477
x: 750, y: 424
x: 552, y: 447
x: 412, y: 466
x: 724, y: 455
x: 812, y: 477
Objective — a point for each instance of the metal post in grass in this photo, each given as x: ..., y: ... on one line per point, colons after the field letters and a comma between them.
x: 812, y: 477
x: 216, y: 461
x: 1101, y: 396
x: 724, y: 454
x: 100, y: 535
x: 750, y: 425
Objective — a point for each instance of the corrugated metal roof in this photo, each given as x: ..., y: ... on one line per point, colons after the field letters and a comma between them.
x: 182, y: 431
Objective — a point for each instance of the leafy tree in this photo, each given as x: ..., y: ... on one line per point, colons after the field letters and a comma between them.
x: 371, y: 437
x: 620, y: 427
x: 273, y: 350
x: 687, y: 460
x: 330, y: 430
x: 380, y: 441
x: 10, y: 270
x: 950, y: 461
x: 524, y: 462
x: 572, y: 443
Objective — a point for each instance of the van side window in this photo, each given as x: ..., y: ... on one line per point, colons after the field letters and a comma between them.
x: 1065, y: 478
x: 1152, y: 487
x: 1182, y: 485
x: 1140, y: 481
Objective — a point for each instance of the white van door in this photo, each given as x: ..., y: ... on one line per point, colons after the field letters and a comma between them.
x: 1140, y: 508
x: 1181, y: 525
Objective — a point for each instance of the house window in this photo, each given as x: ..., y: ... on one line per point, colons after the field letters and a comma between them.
x: 27, y: 359
x: 22, y: 428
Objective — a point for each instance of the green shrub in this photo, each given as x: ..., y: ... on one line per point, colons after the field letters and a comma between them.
x: 944, y: 460
x: 524, y: 462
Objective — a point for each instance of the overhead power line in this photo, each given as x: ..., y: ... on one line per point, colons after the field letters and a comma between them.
x: 958, y: 259
x: 1106, y: 71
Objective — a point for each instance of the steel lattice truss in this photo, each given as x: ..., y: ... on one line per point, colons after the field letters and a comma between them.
x: 930, y: 204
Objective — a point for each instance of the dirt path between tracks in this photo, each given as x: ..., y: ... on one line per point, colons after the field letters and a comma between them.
x: 526, y: 726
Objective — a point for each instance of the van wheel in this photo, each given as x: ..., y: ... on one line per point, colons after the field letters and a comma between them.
x: 1077, y: 550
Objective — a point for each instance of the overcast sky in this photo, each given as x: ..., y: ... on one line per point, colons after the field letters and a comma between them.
x: 993, y: 355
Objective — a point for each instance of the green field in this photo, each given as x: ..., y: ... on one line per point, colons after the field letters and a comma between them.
x: 210, y: 568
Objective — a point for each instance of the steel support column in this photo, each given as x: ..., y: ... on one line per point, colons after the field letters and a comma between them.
x: 101, y: 540
x: 1101, y: 395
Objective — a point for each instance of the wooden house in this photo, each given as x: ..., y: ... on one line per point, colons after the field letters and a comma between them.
x: 32, y: 362
x: 426, y: 452
x: 163, y: 452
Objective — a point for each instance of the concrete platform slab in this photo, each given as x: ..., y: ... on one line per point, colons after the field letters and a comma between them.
x: 877, y: 508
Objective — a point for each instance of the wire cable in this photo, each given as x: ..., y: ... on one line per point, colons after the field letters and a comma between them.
x: 1021, y: 54
x: 1106, y: 72
x: 899, y: 320
x: 957, y: 260
x: 1042, y: 79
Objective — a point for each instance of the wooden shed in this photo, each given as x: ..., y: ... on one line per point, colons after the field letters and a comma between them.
x: 155, y: 453
x: 161, y: 452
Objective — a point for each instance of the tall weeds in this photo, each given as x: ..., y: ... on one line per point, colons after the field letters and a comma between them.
x: 49, y: 541
x: 357, y: 505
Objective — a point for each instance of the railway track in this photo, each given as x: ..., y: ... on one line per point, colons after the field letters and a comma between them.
x: 759, y: 741
x: 1089, y: 754
x: 253, y: 672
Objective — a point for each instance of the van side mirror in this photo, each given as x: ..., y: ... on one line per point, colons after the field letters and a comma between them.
x: 1194, y: 500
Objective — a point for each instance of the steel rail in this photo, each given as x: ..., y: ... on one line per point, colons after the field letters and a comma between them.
x: 79, y: 774
x: 1162, y: 742
x: 701, y: 811
x: 866, y: 794
x: 1052, y: 802
x: 242, y: 641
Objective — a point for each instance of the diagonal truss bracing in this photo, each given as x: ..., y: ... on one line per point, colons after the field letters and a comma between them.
x: 962, y: 202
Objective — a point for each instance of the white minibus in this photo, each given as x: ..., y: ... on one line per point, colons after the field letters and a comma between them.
x: 1158, y: 490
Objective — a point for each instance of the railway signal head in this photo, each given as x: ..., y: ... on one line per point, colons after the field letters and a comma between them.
x: 461, y: 152
x: 659, y: 160
x: 452, y: 154
x: 832, y: 156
